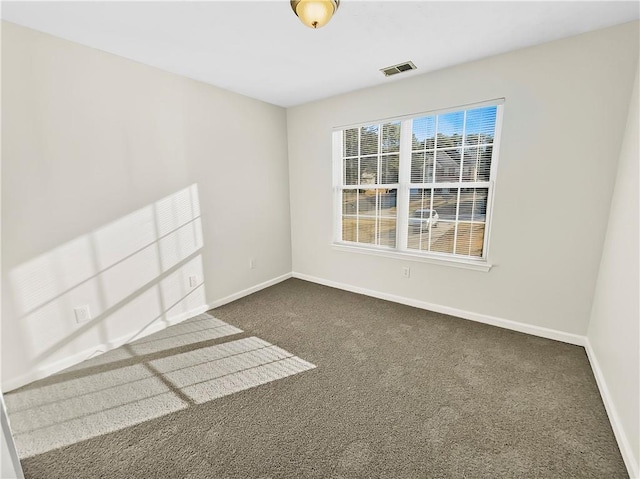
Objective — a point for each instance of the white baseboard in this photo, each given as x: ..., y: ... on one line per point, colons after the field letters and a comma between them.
x: 616, y: 424
x: 246, y: 292
x: 57, y: 366
x: 460, y: 313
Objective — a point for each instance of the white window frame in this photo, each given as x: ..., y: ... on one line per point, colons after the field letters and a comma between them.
x: 400, y: 251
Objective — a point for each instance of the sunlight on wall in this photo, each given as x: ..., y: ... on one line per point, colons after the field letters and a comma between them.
x: 133, y: 274
x: 153, y: 379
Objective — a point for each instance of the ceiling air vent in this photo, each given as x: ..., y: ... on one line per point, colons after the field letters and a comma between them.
x: 399, y: 68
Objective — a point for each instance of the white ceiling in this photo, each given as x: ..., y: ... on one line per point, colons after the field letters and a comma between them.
x: 262, y: 50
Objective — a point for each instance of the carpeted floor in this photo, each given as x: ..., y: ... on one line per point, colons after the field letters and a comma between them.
x: 304, y: 381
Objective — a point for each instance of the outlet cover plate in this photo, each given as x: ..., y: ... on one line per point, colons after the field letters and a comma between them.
x: 83, y: 313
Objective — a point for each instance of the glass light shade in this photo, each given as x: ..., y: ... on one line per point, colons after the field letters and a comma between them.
x: 315, y: 13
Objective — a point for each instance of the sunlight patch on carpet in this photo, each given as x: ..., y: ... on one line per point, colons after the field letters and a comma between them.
x: 82, y: 404
x: 217, y: 371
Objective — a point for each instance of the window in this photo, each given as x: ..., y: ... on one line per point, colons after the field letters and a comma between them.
x: 371, y: 158
x: 421, y: 185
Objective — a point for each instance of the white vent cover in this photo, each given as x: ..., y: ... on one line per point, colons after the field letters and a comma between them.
x: 399, y: 68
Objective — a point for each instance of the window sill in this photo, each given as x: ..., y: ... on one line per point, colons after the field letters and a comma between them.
x: 476, y: 265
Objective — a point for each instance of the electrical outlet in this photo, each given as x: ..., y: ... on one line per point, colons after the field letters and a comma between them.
x: 406, y: 272
x: 82, y: 313
x: 193, y: 281
x: 252, y: 263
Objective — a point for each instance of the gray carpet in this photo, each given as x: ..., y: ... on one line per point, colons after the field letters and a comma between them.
x: 305, y: 381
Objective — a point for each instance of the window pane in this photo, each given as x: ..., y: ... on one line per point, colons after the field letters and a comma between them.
x: 369, y: 216
x: 423, y: 132
x: 368, y: 170
x: 481, y: 125
x: 448, y: 166
x: 376, y: 202
x: 389, y: 168
x: 350, y: 171
x: 387, y: 232
x: 366, y: 202
x: 391, y: 137
x: 434, y: 214
x: 366, y: 230
x: 431, y: 219
x: 369, y: 140
x: 450, y: 127
x: 422, y: 167
x: 438, y: 238
x: 477, y: 163
x: 349, y: 199
x: 387, y: 203
x: 419, y: 198
x: 349, y: 229
x: 470, y: 239
x: 445, y: 201
x: 473, y: 204
x: 351, y: 142
x: 441, y: 240
x: 417, y: 167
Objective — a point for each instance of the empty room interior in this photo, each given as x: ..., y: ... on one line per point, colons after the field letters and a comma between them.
x: 320, y: 239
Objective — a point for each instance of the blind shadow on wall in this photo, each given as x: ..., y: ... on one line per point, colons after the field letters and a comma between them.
x: 134, y: 274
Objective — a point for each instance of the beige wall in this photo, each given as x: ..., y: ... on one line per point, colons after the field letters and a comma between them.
x: 614, y: 329
x: 564, y: 117
x: 119, y: 182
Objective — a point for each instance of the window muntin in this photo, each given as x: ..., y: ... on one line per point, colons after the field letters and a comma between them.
x: 444, y: 165
x: 460, y: 225
x: 370, y: 161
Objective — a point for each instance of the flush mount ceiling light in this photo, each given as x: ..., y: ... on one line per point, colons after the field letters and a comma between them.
x: 315, y: 13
